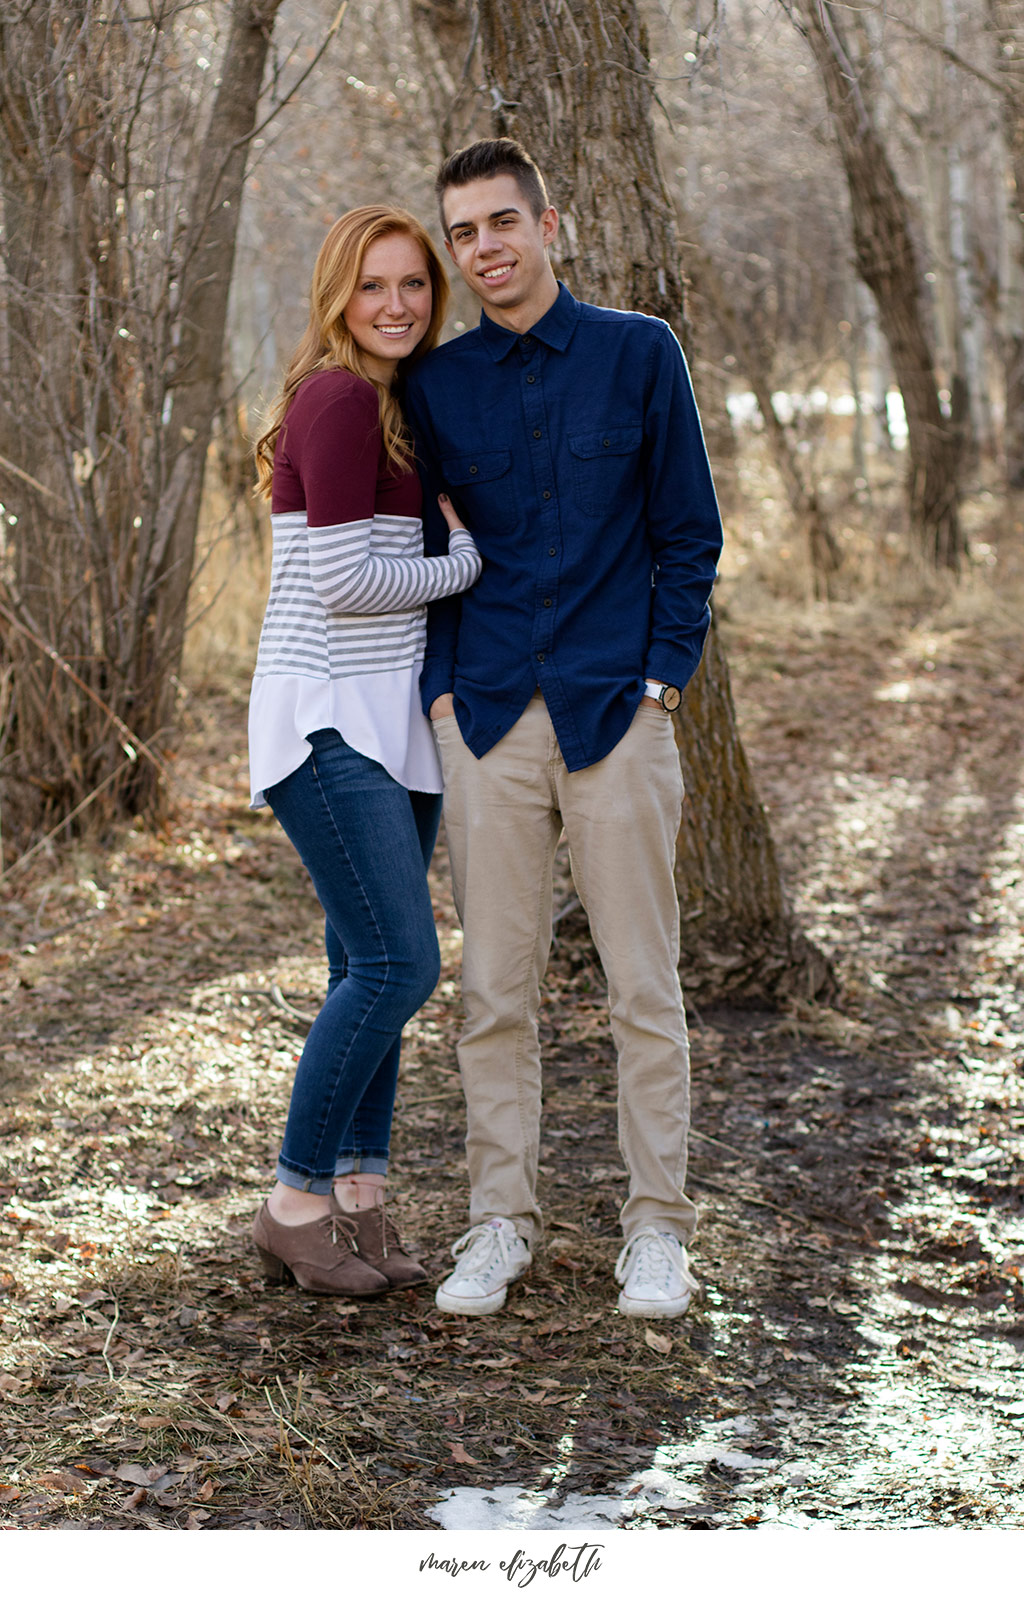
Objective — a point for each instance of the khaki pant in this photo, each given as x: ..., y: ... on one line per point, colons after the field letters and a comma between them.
x: 503, y: 817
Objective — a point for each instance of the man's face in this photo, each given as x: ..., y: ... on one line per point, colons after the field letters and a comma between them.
x: 500, y: 248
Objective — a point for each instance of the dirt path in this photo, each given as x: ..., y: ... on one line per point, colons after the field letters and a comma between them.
x: 856, y: 1360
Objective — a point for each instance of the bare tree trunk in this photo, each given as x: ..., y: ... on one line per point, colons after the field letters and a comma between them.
x: 948, y: 226
x: 1006, y: 18
x: 204, y: 291
x: 887, y: 261
x: 120, y: 188
x: 572, y: 81
x: 739, y: 936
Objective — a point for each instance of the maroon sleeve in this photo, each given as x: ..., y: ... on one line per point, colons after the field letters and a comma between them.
x: 329, y: 450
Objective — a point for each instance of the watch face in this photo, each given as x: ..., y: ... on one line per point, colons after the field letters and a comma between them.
x: 670, y: 697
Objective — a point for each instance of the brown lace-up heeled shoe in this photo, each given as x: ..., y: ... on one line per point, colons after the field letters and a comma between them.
x: 322, y: 1257
x: 379, y: 1245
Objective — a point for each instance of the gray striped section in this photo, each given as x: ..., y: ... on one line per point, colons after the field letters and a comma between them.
x: 351, y: 598
x: 375, y: 566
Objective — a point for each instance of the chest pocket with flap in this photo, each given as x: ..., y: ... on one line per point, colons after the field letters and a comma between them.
x: 606, y: 465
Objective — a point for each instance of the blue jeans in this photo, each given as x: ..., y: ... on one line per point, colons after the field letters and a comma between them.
x: 366, y: 843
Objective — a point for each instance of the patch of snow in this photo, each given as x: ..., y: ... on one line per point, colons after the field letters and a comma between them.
x: 509, y: 1508
x: 665, y: 1485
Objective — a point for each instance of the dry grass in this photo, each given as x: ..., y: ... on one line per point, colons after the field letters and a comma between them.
x: 229, y: 592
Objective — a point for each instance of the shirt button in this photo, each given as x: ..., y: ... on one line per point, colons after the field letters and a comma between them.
x: 540, y: 655
x: 547, y: 494
x: 606, y: 442
x: 531, y: 378
x: 552, y: 551
x: 537, y: 433
x: 548, y: 602
x: 472, y: 469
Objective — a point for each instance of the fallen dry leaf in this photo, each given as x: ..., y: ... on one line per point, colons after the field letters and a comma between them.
x: 658, y: 1341
x: 461, y: 1456
x: 152, y: 1478
x: 66, y: 1482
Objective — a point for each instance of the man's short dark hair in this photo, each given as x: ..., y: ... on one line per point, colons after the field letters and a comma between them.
x: 492, y: 158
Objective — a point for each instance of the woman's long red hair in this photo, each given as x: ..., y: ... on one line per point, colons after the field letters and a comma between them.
x: 327, y: 343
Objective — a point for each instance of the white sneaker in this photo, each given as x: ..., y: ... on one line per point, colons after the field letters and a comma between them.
x: 490, y: 1257
x: 655, y: 1275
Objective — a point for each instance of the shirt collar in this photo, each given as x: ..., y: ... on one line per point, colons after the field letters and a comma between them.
x: 555, y: 327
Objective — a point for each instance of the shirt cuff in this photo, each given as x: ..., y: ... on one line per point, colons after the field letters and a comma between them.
x: 676, y: 663
x: 436, y: 678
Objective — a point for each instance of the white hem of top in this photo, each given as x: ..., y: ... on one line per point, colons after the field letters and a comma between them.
x: 378, y: 714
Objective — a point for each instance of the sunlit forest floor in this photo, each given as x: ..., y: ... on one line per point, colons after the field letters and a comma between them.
x: 856, y: 1359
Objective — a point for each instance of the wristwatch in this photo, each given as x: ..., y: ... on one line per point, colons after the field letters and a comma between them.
x: 666, y: 694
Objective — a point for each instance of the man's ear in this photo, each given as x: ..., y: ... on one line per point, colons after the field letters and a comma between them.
x: 549, y: 225
x: 448, y: 247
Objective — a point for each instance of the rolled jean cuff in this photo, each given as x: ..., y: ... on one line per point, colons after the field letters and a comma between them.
x: 345, y: 1166
x: 299, y: 1180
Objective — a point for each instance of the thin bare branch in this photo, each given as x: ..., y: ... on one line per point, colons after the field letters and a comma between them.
x: 33, y: 483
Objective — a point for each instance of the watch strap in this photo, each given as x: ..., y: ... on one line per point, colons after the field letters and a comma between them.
x: 658, y: 690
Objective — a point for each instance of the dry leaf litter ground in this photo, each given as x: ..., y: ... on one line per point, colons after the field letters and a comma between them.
x: 856, y: 1359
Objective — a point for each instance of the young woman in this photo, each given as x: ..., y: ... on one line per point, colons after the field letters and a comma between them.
x: 338, y: 744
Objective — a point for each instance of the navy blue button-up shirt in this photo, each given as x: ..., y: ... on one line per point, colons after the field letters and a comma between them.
x: 574, y: 454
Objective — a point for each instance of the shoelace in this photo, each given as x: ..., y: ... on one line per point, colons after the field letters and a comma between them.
x: 476, y: 1244
x: 652, y: 1254
x: 389, y: 1234
x: 335, y: 1220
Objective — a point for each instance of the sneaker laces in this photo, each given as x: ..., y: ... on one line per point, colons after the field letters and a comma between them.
x: 477, y: 1245
x: 652, y: 1253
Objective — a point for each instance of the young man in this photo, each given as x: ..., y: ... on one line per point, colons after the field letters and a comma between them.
x: 568, y: 437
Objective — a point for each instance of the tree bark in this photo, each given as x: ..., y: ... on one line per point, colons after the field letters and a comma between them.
x: 1006, y: 19
x: 572, y: 82
x: 886, y: 259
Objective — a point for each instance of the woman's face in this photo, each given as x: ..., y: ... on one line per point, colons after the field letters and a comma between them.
x: 389, y: 311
